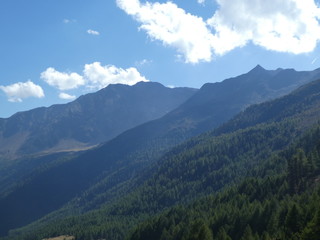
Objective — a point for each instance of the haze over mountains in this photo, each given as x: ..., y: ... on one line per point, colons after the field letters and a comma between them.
x: 95, y: 118
x: 216, y: 103
x: 139, y: 173
x: 89, y: 120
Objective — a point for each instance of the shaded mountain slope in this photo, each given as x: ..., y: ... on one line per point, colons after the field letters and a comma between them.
x: 91, y: 119
x: 202, y: 165
x: 240, y: 144
x: 301, y: 103
x: 212, y: 105
x: 281, y: 205
x: 216, y: 103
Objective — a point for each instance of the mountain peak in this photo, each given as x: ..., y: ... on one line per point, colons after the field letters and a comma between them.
x: 258, y: 68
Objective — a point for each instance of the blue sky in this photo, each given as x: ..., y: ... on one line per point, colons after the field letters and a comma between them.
x: 52, y: 51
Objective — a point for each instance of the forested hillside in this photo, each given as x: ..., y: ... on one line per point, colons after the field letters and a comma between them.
x: 160, y: 120
x: 98, y: 176
x: 283, y: 205
x: 255, y: 177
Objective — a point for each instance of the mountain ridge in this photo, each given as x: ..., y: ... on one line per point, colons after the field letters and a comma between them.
x: 224, y: 99
x: 89, y: 120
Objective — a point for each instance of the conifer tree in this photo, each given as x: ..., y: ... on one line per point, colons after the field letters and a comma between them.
x: 312, y: 231
x: 292, y: 221
x: 247, y: 234
x: 222, y: 235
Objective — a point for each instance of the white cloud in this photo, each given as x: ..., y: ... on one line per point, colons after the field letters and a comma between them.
x: 66, y: 96
x: 95, y: 76
x: 280, y: 25
x: 93, y: 32
x: 174, y: 27
x: 66, y: 21
x: 143, y: 62
x: 101, y: 76
x: 18, y: 91
x: 61, y: 80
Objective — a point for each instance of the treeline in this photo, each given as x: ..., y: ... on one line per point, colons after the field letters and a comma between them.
x: 283, y: 206
x: 239, y: 214
x: 197, y: 168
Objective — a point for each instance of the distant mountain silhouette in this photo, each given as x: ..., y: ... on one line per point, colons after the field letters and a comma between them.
x: 91, y: 119
x: 216, y: 103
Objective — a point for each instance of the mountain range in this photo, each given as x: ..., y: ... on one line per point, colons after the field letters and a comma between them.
x: 89, y: 120
x: 108, y: 190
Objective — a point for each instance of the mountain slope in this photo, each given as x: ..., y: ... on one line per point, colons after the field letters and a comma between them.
x: 91, y: 119
x: 209, y: 163
x: 216, y: 103
x: 217, y: 158
x: 202, y: 165
x: 285, y: 205
x: 212, y: 105
x: 97, y: 171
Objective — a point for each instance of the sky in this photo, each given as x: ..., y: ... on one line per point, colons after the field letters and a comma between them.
x: 53, y: 51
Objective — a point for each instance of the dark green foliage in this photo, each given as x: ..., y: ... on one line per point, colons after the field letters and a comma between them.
x: 235, y: 212
x: 312, y: 230
x: 247, y: 234
x: 293, y: 220
x: 199, y: 230
x: 259, y: 208
x: 196, y: 168
x: 222, y: 235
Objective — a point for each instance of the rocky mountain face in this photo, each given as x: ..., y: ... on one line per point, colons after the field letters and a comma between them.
x: 216, y: 103
x: 91, y: 119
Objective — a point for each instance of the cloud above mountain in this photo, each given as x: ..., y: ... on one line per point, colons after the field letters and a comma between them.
x: 62, y: 80
x: 99, y: 76
x: 173, y: 26
x: 18, y: 91
x: 94, y: 76
x: 279, y: 25
x: 66, y: 96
